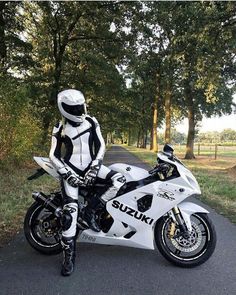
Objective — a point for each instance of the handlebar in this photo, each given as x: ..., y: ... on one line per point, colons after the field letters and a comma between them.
x: 163, y: 167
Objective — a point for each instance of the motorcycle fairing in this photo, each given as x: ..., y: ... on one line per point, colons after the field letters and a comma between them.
x: 46, y: 164
x: 166, y: 195
x: 187, y: 209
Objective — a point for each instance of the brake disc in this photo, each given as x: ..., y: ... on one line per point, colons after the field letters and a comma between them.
x: 189, y: 244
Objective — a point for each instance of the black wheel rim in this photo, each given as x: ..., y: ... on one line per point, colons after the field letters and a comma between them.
x: 188, y: 249
x: 44, y: 228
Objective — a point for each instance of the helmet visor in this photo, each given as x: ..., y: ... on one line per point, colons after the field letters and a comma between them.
x: 75, y: 110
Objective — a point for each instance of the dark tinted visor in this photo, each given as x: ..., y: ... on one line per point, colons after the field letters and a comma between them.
x: 76, y: 110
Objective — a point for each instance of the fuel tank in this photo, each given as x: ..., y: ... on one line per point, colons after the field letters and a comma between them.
x: 131, y: 173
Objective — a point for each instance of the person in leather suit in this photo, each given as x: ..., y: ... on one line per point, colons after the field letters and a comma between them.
x: 81, y: 164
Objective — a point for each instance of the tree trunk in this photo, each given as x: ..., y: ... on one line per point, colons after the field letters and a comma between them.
x: 46, y: 125
x: 55, y: 86
x: 155, y: 116
x: 168, y: 114
x: 191, y: 132
x: 145, y: 139
x: 138, y: 139
x: 191, y: 121
x: 154, y: 132
x: 129, y: 137
x: 3, y: 50
x: 151, y: 139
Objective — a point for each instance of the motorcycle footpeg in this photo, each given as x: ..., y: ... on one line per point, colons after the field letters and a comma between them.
x: 82, y: 224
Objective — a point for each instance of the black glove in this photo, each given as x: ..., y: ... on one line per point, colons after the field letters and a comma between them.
x: 73, y: 179
x: 91, y: 174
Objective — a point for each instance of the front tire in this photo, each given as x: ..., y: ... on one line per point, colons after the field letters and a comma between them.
x: 183, y: 251
x: 42, y: 230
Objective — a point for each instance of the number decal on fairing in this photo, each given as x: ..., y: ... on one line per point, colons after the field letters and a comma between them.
x: 88, y: 238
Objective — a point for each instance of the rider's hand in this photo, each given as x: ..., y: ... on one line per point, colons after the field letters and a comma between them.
x: 73, y: 179
x: 91, y: 174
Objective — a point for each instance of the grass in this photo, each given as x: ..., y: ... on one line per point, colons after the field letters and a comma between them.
x: 15, y: 197
x: 218, y: 185
x: 216, y: 179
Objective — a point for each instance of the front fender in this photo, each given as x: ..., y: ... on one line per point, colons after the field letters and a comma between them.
x: 187, y: 209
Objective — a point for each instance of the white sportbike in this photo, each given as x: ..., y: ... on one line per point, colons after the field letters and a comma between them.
x: 148, y: 212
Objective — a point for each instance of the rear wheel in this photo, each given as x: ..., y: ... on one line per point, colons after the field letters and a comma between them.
x: 42, y: 230
x: 186, y: 250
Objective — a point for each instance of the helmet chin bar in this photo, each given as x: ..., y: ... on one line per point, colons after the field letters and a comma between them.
x: 80, y: 118
x: 75, y: 119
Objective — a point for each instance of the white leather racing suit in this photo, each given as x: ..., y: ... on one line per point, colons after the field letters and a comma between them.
x: 83, y: 144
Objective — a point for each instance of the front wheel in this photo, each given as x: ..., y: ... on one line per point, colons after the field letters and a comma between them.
x: 182, y: 250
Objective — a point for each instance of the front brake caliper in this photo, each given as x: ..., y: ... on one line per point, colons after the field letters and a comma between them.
x: 171, y: 231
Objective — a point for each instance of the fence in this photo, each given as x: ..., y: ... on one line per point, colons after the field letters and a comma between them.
x: 211, y: 150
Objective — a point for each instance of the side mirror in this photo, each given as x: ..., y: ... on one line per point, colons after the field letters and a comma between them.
x: 168, y: 149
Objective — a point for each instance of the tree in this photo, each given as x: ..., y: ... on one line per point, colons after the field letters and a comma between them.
x: 74, y: 46
x: 203, y: 41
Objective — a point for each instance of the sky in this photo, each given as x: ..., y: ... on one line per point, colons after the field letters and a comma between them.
x: 211, y: 124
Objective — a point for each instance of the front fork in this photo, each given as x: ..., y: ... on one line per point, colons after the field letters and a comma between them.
x: 179, y: 221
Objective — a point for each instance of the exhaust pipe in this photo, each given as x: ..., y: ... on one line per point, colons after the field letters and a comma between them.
x: 47, y: 203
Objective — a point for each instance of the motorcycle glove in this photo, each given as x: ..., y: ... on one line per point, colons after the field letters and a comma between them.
x: 91, y: 174
x: 70, y: 177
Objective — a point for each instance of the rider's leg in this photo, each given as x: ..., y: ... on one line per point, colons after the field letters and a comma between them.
x: 112, y: 178
x: 116, y: 179
x: 69, y: 221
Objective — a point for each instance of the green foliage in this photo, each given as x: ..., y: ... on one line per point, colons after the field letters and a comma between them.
x: 226, y: 135
x: 20, y: 130
x: 15, y: 196
x: 124, y: 56
x: 176, y: 136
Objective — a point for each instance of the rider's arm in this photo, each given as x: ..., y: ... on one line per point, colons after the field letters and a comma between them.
x: 55, y: 157
x: 99, y: 143
x: 55, y: 151
x: 99, y: 151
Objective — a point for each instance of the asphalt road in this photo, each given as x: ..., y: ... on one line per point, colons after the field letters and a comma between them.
x: 119, y: 270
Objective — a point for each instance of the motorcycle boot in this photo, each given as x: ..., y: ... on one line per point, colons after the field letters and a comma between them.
x: 69, y: 249
x: 89, y: 214
x: 89, y: 217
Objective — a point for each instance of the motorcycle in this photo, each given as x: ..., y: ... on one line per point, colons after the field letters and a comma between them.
x: 148, y: 212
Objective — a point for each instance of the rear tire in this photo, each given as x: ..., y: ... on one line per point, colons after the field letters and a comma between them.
x: 42, y: 230
x: 187, y: 252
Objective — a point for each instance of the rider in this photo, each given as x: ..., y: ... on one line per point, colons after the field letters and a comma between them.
x: 81, y: 164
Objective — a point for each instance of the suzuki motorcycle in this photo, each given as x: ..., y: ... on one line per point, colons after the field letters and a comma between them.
x: 148, y: 212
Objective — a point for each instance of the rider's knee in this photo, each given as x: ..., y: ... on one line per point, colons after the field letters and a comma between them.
x: 118, y: 180
x: 69, y: 214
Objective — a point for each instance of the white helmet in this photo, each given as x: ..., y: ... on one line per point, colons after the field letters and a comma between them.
x: 71, y: 104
